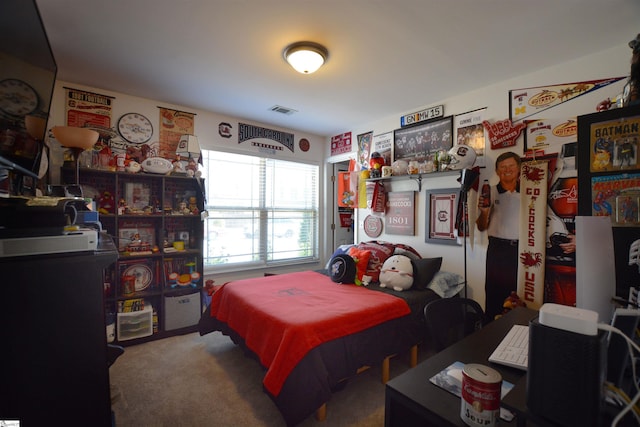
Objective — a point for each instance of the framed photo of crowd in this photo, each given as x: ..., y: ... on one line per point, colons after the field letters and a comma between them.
x: 419, y: 141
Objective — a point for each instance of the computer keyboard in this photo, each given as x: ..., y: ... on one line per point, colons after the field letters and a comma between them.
x: 513, y: 350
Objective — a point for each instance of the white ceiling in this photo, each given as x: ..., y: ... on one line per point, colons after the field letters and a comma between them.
x: 386, y: 57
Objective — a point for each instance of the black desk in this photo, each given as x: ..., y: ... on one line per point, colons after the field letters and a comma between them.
x: 54, y: 367
x: 412, y: 400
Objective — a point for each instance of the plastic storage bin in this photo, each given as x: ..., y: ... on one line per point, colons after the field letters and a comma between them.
x: 181, y: 311
x: 136, y: 324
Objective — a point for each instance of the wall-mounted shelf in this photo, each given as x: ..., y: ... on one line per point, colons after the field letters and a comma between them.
x: 416, y: 177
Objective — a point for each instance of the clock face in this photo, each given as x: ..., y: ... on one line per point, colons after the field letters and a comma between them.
x: 135, y: 128
x: 143, y: 276
x: 17, y: 98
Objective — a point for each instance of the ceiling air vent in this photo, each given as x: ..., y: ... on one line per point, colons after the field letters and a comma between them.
x: 282, y: 110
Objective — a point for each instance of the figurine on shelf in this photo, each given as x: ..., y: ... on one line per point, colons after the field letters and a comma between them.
x: 183, y: 209
x: 106, y: 203
x: 193, y: 205
x: 178, y: 166
x: 122, y: 206
x: 376, y: 163
x: 192, y: 168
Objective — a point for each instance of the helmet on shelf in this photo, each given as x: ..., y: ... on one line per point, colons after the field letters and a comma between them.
x: 461, y: 157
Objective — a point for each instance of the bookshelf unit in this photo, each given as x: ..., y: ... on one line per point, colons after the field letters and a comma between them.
x: 156, y: 224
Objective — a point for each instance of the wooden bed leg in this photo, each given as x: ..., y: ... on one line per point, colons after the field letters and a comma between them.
x: 321, y: 413
x: 413, y: 358
x: 385, y: 369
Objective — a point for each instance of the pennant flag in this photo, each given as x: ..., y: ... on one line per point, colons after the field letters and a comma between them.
x: 529, y: 101
x: 533, y: 232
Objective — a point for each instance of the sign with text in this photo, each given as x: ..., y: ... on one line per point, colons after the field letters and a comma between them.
x: 420, y: 116
x: 400, y: 216
x: 341, y: 144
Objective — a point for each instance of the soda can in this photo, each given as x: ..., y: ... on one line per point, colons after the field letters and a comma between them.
x: 480, y: 402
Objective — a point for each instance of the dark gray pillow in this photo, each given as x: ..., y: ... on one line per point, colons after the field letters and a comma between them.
x: 423, y: 271
x: 342, y: 269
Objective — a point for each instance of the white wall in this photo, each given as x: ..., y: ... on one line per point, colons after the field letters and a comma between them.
x: 206, y: 129
x: 610, y: 63
x: 614, y: 62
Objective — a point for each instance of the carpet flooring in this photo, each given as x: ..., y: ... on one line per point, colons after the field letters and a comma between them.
x: 189, y: 380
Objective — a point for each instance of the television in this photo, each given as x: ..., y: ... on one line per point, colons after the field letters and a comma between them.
x: 27, y: 77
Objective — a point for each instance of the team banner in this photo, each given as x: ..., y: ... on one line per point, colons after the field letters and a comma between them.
x: 173, y: 124
x: 533, y: 232
x: 88, y: 109
x: 529, y: 101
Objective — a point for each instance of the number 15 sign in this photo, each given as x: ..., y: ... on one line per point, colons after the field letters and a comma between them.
x: 400, y: 215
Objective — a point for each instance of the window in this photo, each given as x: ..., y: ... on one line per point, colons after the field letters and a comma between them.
x: 262, y: 211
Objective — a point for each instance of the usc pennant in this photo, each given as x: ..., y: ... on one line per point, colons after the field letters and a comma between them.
x: 533, y: 232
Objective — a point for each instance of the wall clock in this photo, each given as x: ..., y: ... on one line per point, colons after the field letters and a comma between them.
x: 143, y: 276
x: 17, y: 97
x: 135, y: 128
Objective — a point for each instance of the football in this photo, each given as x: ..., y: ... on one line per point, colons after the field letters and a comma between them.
x: 157, y: 165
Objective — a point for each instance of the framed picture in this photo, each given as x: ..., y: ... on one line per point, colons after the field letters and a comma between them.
x: 418, y: 142
x: 470, y: 131
x: 400, y: 216
x: 441, y: 206
x: 137, y: 195
x: 136, y: 237
x: 364, y: 149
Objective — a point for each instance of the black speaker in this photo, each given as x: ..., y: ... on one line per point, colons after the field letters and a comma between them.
x: 566, y: 374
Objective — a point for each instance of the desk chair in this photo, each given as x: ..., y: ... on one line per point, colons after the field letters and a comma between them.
x: 451, y: 319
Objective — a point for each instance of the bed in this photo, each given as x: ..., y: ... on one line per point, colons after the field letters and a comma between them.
x: 312, y: 334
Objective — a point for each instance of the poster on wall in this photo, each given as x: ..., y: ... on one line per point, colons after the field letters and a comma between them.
x: 614, y: 144
x: 546, y: 136
x: 173, y: 124
x: 616, y: 196
x: 341, y: 144
x: 382, y: 144
x: 88, y: 109
x: 418, y: 142
x: 400, y: 216
x: 470, y: 132
x: 364, y: 149
x: 532, y: 100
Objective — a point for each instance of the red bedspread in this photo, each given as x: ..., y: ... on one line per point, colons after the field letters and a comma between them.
x: 282, y: 317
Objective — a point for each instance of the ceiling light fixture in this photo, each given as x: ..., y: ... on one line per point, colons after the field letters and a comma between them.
x: 306, y: 57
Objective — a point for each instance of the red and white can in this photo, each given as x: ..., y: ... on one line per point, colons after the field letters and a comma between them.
x: 480, y: 403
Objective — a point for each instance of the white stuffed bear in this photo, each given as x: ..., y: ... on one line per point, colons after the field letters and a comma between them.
x: 397, y: 273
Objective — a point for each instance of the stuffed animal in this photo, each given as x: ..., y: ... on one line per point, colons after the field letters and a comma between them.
x: 511, y: 302
x: 397, y: 273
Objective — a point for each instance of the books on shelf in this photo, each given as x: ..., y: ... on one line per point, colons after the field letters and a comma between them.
x: 131, y: 305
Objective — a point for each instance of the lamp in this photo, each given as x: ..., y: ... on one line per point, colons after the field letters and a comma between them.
x: 188, y: 147
x: 306, y: 57
x: 77, y: 140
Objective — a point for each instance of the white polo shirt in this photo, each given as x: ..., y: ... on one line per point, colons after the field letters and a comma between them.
x: 505, y: 213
